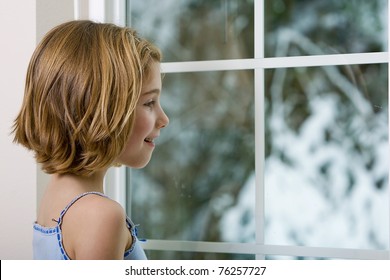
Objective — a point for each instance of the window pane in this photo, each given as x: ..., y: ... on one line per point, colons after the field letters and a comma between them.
x: 326, y: 173
x: 307, y: 27
x: 198, y: 183
x: 196, y: 29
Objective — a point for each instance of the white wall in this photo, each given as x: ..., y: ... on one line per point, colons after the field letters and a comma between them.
x: 21, y: 23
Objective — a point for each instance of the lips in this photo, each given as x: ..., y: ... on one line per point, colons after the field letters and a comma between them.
x: 149, y: 140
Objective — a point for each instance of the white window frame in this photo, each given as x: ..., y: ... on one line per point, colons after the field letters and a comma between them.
x: 117, y: 177
x: 113, y: 11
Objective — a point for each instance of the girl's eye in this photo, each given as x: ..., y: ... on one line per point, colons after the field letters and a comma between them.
x: 150, y: 103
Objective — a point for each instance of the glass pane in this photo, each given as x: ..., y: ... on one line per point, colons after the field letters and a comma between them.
x: 326, y: 171
x: 198, y: 183
x: 176, y: 255
x: 196, y: 29
x: 313, y: 27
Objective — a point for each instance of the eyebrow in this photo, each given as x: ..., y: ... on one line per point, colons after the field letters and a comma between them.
x: 153, y: 91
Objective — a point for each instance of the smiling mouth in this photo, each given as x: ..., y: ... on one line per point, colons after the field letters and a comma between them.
x: 149, y: 140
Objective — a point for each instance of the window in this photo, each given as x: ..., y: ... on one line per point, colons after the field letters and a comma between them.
x: 278, y: 142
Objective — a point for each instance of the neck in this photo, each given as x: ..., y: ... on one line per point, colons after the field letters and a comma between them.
x: 79, y: 183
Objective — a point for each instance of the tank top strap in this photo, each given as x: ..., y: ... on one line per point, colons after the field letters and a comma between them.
x: 63, y: 212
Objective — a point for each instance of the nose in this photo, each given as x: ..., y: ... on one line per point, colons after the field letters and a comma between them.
x: 163, y: 120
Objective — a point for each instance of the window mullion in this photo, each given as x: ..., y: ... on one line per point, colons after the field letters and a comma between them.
x: 262, y: 250
x: 259, y: 125
x: 388, y: 119
x: 275, y: 62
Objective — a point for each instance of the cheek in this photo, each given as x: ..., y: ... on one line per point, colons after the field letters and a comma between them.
x: 134, y: 145
x: 136, y: 137
x: 130, y: 156
x: 141, y: 129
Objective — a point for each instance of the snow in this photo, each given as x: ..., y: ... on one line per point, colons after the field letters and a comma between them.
x: 303, y: 209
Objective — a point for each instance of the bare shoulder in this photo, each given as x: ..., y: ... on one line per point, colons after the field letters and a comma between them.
x: 101, y: 209
x: 95, y: 228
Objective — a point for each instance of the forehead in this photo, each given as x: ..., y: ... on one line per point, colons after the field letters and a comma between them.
x: 153, y: 80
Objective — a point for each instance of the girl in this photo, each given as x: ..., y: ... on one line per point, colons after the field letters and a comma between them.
x: 91, y: 101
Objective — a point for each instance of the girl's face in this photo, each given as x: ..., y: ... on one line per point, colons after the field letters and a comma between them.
x: 149, y: 119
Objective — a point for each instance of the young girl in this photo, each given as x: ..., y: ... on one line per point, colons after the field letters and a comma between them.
x: 91, y: 102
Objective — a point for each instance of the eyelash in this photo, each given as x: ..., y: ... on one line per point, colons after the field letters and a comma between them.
x: 150, y: 103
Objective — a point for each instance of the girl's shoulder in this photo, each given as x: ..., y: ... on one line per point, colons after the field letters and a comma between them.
x: 97, y: 202
x: 96, y: 228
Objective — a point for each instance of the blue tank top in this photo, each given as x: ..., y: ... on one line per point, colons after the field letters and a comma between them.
x: 48, y: 245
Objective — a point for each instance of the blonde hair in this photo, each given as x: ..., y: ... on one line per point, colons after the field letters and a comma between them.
x: 83, y: 83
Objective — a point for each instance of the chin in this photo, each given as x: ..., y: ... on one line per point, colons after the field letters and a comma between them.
x: 138, y: 165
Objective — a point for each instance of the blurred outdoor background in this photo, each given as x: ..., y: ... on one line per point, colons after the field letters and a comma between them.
x: 326, y: 128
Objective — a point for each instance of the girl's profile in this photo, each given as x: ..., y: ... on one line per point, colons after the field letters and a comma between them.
x: 92, y: 101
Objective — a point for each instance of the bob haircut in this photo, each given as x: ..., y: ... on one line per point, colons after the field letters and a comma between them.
x: 82, y: 86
